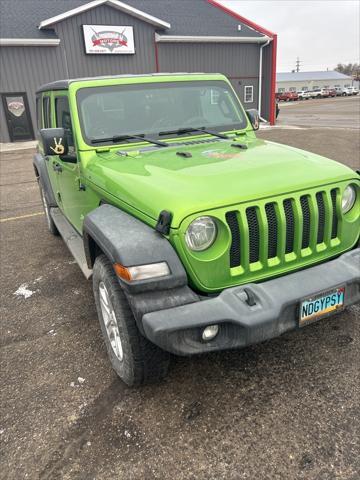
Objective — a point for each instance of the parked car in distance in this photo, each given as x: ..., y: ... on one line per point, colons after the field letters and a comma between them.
x: 304, y: 95
x: 287, y: 96
x: 348, y: 91
x: 339, y: 91
x: 319, y: 93
x: 331, y: 92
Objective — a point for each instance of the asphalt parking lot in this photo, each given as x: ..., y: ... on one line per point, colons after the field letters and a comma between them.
x: 336, y: 112
x: 285, y: 409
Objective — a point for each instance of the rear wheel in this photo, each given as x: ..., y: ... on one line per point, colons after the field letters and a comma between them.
x: 132, y: 356
x: 50, y: 222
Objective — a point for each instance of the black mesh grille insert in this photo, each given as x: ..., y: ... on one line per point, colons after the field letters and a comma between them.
x: 254, y: 234
x: 334, y: 215
x: 321, y: 210
x: 290, y: 226
x: 304, y: 201
x: 233, y: 223
x: 272, y: 229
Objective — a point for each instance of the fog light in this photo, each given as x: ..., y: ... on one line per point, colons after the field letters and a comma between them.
x: 210, y: 332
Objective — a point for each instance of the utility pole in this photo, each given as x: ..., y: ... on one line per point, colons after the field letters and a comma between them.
x: 298, y: 64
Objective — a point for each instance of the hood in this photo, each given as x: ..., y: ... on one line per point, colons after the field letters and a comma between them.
x: 216, y: 175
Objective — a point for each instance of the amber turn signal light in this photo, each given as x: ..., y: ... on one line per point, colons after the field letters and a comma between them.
x: 141, y: 272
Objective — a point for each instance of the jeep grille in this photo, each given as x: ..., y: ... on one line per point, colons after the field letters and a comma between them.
x: 298, y: 226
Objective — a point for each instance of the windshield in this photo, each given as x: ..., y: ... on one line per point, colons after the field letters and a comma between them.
x: 148, y: 109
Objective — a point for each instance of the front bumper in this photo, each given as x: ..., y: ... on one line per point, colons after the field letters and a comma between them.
x: 275, y: 309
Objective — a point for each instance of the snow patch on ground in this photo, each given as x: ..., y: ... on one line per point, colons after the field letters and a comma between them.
x: 24, y: 291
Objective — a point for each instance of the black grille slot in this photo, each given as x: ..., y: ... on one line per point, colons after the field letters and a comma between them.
x: 233, y: 223
x: 304, y: 201
x: 321, y: 210
x: 290, y: 226
x: 272, y: 229
x: 334, y: 228
x: 254, y: 234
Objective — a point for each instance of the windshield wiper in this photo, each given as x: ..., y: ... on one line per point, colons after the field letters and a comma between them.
x: 120, y: 138
x: 182, y: 131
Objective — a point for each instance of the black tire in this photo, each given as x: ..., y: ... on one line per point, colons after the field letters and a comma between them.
x: 142, y: 362
x: 49, y: 221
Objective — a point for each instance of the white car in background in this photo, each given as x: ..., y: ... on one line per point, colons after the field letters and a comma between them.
x: 304, y: 94
x: 319, y: 93
x: 347, y: 91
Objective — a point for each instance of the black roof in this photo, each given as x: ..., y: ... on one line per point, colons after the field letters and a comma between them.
x: 64, y: 84
x: 20, y: 18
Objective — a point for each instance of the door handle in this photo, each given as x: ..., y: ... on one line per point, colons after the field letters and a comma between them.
x: 57, y: 167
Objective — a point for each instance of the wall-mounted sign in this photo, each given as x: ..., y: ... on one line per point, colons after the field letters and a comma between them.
x: 15, y: 105
x: 108, y: 39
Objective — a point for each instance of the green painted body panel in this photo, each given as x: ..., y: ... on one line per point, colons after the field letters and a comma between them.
x: 144, y: 180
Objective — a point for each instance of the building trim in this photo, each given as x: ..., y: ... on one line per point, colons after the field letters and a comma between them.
x: 29, y: 42
x: 113, y: 3
x: 208, y: 39
x: 242, y: 19
x: 273, y: 82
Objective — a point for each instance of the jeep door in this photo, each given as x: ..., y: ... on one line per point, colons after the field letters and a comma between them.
x: 45, y: 110
x: 72, y: 196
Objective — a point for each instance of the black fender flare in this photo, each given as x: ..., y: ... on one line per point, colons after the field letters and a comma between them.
x: 127, y: 240
x: 41, y: 172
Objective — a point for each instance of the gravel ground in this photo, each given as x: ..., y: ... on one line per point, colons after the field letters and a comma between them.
x: 285, y: 409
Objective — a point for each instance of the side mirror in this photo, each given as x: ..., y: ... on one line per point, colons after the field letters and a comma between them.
x: 253, y: 116
x: 54, y: 141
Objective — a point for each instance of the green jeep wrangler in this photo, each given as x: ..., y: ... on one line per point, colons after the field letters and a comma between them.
x: 198, y: 236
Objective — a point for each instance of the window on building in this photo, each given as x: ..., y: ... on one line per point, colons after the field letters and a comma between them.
x: 347, y: 85
x: 292, y: 89
x: 248, y: 94
x: 63, y: 118
x: 281, y: 90
x: 46, y: 112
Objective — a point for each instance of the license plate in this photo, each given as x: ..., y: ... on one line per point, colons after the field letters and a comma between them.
x: 322, y: 305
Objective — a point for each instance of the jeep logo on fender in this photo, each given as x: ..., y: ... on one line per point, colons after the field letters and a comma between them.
x: 104, y: 39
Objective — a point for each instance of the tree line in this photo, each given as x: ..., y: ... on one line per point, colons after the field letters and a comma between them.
x: 351, y: 69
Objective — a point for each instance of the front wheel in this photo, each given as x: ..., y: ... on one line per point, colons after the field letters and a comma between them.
x: 136, y: 360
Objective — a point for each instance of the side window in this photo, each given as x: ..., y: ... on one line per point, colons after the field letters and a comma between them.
x: 63, y: 118
x: 38, y: 113
x: 46, y: 112
x: 249, y: 94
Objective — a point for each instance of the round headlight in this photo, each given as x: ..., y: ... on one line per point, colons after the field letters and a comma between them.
x: 348, y: 199
x: 201, y: 233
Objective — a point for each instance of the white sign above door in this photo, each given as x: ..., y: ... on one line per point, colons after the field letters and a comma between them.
x: 109, y: 39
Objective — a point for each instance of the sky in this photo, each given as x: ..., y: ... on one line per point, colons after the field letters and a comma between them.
x: 322, y: 33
